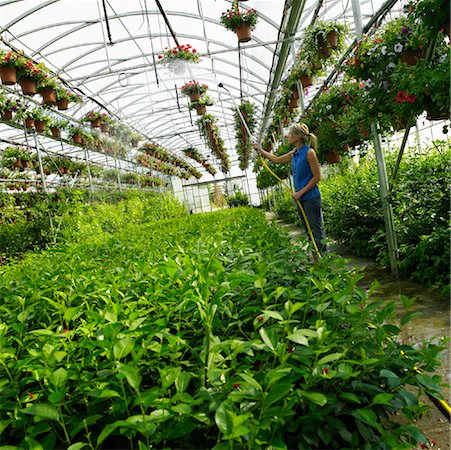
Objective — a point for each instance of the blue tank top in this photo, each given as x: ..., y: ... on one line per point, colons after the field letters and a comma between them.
x: 302, y: 173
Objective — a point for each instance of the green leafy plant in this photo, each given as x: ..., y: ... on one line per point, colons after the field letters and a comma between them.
x: 244, y: 144
x: 316, y: 39
x: 193, y: 87
x: 10, y: 58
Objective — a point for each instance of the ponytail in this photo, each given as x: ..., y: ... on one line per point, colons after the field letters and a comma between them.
x: 313, y: 141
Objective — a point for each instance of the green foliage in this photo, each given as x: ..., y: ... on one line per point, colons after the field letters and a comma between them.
x: 420, y: 201
x: 238, y: 198
x: 210, y: 331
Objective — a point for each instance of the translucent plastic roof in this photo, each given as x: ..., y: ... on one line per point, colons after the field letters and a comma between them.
x: 114, y: 61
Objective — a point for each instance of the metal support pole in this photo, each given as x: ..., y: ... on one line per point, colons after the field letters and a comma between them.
x: 417, y: 136
x: 386, y: 206
x: 299, y: 86
x: 381, y: 167
x: 89, y: 170
x: 118, y: 175
x: 41, y: 169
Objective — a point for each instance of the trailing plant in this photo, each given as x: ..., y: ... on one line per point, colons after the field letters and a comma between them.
x: 316, y: 37
x: 243, y: 140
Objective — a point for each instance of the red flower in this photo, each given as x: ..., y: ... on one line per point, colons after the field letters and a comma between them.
x: 31, y: 395
x: 423, y: 446
x: 194, y: 50
x: 160, y: 56
x: 175, y: 51
x: 326, y: 370
x: 260, y: 319
x: 236, y: 385
x: 65, y: 331
x: 290, y: 350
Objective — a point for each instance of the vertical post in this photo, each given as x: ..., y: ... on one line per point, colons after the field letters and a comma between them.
x: 386, y: 206
x: 118, y: 175
x: 41, y: 169
x: 299, y: 86
x: 381, y: 167
x: 417, y: 137
x: 89, y: 170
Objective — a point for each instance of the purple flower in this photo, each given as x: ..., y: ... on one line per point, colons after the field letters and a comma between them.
x: 404, y: 30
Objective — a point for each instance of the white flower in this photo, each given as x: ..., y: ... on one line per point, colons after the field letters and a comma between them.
x: 328, y: 106
x: 369, y: 83
x: 391, y: 65
x: 398, y: 48
x: 384, y: 50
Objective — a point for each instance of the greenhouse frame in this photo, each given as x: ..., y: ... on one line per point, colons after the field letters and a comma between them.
x: 224, y: 224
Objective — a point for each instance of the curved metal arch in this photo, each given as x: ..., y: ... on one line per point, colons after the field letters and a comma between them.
x: 114, y: 16
x: 26, y: 13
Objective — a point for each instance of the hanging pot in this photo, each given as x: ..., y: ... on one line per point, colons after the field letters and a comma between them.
x: 399, y: 123
x: 95, y: 123
x: 8, y: 75
x: 62, y: 104
x: 294, y: 101
x: 201, y: 109
x: 56, y: 132
x: 39, y: 125
x: 315, y: 65
x: 48, y: 96
x: 28, y: 86
x: 364, y: 131
x: 7, y: 114
x: 194, y: 96
x: 29, y: 123
x: 434, y: 114
x: 104, y: 127
x: 333, y: 157
x: 76, y: 139
x: 328, y: 43
x: 411, y: 57
x: 305, y: 80
x: 244, y: 33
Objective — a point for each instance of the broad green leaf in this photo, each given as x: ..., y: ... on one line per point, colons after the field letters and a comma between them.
x: 104, y: 393
x: 409, y: 398
x: 328, y: 358
x: 33, y: 445
x: 315, y: 397
x: 270, y: 342
x: 298, y: 337
x: 42, y: 410
x: 78, y: 446
x: 57, y: 397
x: 352, y: 309
x: 131, y: 374
x: 382, y: 399
x: 231, y: 425
x: 160, y: 415
x: 277, y: 392
x: 252, y: 381
x: 408, y: 317
x: 122, y: 347
x: 322, y: 307
x: 273, y: 314
x: 367, y: 416
x: 71, y: 313
x: 260, y: 282
x: 349, y: 396
x: 59, y: 377
x: 182, y: 381
x: 182, y: 408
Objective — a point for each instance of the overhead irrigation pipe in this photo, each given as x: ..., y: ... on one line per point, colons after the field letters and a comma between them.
x: 309, y: 230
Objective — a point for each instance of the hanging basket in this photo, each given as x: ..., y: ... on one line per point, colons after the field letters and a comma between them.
x: 39, y: 125
x: 434, y: 114
x: 364, y: 131
x: 7, y: 114
x: 411, y: 57
x: 29, y: 123
x: 333, y: 157
x: 104, y: 127
x: 194, y: 97
x: 244, y: 33
x: 56, y: 132
x: 95, y: 123
x: 76, y: 139
x: 28, y: 86
x: 305, y: 80
x: 294, y: 101
x: 399, y: 123
x: 330, y: 42
x: 48, y: 96
x: 8, y: 75
x: 201, y: 109
x: 62, y: 104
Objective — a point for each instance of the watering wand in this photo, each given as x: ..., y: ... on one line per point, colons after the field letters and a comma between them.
x: 309, y: 229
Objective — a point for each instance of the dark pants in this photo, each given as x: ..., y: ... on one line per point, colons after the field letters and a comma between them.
x: 312, y: 209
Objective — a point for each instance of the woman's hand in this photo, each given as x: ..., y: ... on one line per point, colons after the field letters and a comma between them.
x: 257, y: 147
x: 297, y: 195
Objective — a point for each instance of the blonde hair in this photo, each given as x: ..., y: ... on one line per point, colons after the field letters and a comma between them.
x: 307, y: 138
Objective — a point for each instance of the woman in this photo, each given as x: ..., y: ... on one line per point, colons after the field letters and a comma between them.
x: 306, y: 175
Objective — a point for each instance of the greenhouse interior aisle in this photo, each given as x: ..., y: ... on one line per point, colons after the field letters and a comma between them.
x: 150, y: 151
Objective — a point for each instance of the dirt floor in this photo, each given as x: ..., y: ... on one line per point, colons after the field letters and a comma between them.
x: 433, y: 323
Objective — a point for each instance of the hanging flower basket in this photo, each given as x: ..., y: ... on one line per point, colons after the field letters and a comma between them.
x: 76, y: 139
x: 242, y: 23
x: 39, y: 125
x: 177, y: 59
x: 8, y: 75
x: 193, y: 89
x: 62, y: 104
x: 28, y: 86
x: 201, y: 109
x: 305, y: 80
x: 7, y: 115
x: 333, y: 157
x: 411, y: 57
x: 48, y: 96
x: 56, y: 132
x: 29, y: 123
